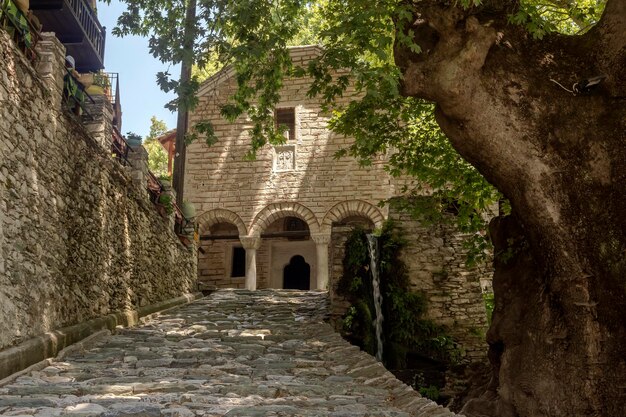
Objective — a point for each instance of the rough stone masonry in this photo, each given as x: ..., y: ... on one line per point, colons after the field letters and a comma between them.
x: 235, y: 353
x: 78, y: 239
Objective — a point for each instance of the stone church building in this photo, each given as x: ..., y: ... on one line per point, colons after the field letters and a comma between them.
x: 281, y: 220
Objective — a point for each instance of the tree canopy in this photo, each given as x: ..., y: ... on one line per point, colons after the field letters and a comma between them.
x: 356, y: 35
x: 358, y: 38
x: 157, y: 158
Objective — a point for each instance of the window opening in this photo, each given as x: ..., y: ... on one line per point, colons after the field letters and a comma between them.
x: 296, y: 228
x: 286, y: 118
x: 238, y: 268
x: 295, y: 224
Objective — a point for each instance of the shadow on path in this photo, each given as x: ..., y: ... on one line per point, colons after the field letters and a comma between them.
x: 234, y: 353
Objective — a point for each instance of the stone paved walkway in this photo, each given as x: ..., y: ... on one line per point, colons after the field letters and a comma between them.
x: 235, y: 353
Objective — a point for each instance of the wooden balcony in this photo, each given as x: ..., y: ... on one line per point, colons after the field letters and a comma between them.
x: 76, y: 25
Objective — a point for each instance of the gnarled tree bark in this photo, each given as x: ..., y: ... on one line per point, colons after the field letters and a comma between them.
x: 558, y: 336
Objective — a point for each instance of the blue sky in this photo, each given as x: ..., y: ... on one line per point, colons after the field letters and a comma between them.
x: 141, y: 97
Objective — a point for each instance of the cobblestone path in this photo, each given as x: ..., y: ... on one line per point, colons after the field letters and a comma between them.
x: 235, y: 353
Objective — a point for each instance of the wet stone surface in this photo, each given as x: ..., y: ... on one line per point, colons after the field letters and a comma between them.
x: 234, y: 353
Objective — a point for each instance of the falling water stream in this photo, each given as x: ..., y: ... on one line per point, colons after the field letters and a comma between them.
x: 378, y: 298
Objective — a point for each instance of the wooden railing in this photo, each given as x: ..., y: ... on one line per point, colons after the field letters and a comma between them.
x: 119, y: 147
x: 89, y: 22
x: 155, y: 188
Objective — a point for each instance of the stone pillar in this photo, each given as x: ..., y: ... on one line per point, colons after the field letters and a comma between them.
x: 250, y: 244
x: 168, y: 190
x: 98, y: 115
x: 51, y: 66
x: 138, y: 159
x: 321, y: 245
x: 98, y: 120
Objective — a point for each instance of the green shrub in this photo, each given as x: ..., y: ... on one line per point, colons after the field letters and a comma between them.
x: 167, y: 201
x: 431, y: 392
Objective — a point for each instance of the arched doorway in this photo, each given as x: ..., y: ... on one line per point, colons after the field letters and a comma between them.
x: 283, y: 239
x: 221, y: 257
x: 297, y: 274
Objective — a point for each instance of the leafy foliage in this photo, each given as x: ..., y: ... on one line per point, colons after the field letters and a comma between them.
x: 202, y: 74
x: 564, y: 16
x: 404, y: 329
x: 357, y: 35
x: 157, y: 128
x: 431, y: 392
x: 131, y: 136
x: 358, y: 38
x: 420, y: 151
x: 157, y: 158
x: 167, y: 201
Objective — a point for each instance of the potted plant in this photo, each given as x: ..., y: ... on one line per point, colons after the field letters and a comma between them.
x: 86, y: 79
x: 101, y: 84
x: 166, y: 182
x: 133, y: 139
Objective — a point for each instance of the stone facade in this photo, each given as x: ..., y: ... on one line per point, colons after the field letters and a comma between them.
x: 78, y: 239
x: 251, y: 204
x: 300, y: 179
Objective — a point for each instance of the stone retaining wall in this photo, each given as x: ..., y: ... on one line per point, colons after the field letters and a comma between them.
x: 435, y: 258
x: 78, y: 239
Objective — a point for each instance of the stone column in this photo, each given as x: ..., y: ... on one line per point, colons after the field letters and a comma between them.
x: 51, y: 66
x: 98, y: 120
x: 138, y: 159
x: 250, y: 244
x: 321, y: 245
x: 172, y: 216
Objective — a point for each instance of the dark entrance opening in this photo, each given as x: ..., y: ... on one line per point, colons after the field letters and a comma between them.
x: 238, y: 267
x: 297, y: 275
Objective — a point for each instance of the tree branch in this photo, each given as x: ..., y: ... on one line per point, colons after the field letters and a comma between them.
x: 450, y: 56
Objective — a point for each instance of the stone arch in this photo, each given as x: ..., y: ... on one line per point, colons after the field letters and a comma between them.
x: 276, y: 211
x: 352, y: 208
x: 212, y: 217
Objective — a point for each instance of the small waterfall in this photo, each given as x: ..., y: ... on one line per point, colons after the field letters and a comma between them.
x: 378, y: 298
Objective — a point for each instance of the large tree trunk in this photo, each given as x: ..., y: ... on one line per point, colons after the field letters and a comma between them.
x: 558, y: 338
